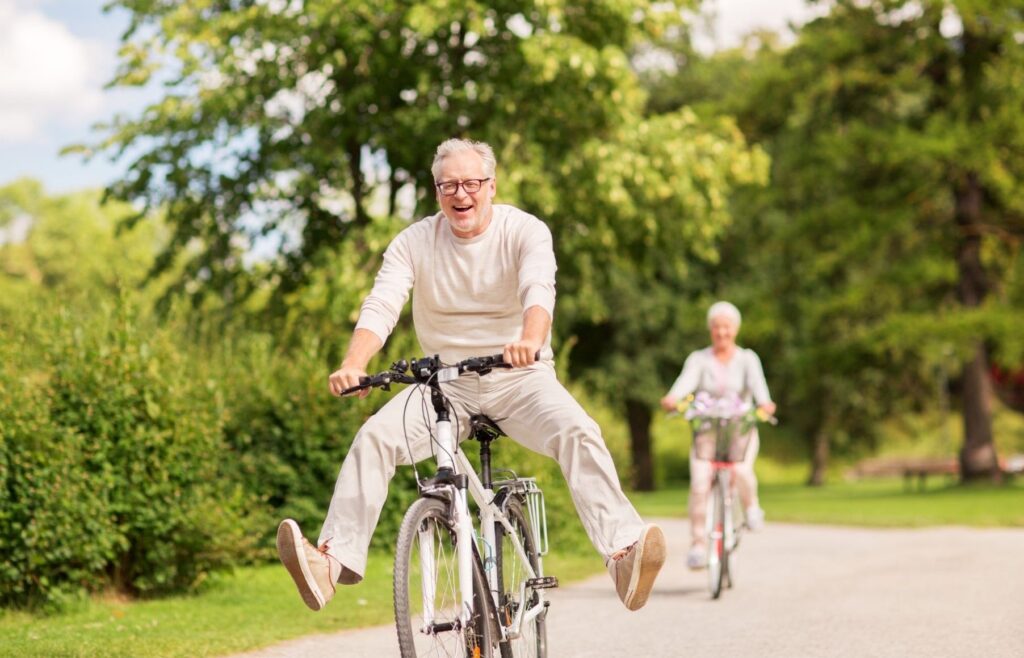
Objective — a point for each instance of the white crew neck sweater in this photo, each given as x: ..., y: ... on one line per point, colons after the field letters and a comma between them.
x: 469, y: 294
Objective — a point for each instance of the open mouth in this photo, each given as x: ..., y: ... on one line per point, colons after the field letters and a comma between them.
x: 462, y: 209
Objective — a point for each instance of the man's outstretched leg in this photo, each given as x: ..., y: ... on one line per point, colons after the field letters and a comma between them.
x: 539, y: 413
x: 313, y: 569
x: 358, y: 498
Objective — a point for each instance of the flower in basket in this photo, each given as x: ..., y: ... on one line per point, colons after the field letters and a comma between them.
x: 706, y: 408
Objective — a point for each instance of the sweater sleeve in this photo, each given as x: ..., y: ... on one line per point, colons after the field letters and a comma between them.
x: 755, y: 379
x: 381, y: 308
x: 537, y: 267
x: 688, y: 379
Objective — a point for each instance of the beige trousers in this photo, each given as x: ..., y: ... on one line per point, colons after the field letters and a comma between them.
x: 700, y: 485
x: 531, y: 406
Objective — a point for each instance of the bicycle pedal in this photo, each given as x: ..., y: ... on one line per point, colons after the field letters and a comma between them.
x: 543, y: 582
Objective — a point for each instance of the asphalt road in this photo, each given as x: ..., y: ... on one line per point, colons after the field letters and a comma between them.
x: 800, y: 591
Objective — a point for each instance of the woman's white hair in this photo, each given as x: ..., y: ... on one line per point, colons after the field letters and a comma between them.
x: 726, y: 310
x: 456, y: 145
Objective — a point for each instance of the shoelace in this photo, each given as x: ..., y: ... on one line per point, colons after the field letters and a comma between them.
x: 618, y: 555
x: 322, y: 549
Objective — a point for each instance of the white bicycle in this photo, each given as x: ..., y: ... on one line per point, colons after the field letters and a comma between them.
x: 459, y: 591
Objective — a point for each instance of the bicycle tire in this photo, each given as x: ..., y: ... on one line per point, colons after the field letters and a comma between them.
x: 730, y: 548
x: 717, y: 556
x: 430, y: 517
x: 511, y: 572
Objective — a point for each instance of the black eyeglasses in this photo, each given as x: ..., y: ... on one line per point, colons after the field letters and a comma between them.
x: 472, y: 186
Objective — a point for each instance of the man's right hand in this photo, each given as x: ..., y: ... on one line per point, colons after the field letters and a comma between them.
x: 346, y: 377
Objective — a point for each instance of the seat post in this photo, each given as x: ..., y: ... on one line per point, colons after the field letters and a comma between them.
x: 485, y: 459
x: 484, y: 430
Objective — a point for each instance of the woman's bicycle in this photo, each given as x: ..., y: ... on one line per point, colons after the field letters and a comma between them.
x: 729, y: 421
x: 459, y: 591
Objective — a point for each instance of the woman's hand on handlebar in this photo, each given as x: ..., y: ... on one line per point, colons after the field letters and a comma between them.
x: 344, y: 378
x: 521, y: 353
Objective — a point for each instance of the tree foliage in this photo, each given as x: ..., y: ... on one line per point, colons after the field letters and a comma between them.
x: 888, y: 241
x: 638, y: 220
x: 291, y: 126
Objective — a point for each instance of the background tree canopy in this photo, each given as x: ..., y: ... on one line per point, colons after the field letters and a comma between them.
x: 291, y: 126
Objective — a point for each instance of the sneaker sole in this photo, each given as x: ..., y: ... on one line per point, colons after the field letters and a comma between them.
x: 289, y: 549
x: 650, y: 555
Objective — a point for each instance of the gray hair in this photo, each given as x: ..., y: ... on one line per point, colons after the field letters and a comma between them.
x: 724, y: 309
x: 456, y: 145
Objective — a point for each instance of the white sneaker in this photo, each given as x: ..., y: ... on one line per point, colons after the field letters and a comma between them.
x: 755, y: 518
x: 697, y: 557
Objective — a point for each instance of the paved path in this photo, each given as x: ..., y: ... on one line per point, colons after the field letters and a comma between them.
x: 800, y: 591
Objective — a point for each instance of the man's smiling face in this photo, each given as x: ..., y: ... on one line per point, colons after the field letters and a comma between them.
x: 468, y: 214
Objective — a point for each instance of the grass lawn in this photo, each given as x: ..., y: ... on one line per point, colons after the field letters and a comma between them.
x: 883, y: 503
x: 255, y: 607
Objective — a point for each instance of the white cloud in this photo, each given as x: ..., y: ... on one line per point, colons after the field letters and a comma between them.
x: 46, y: 73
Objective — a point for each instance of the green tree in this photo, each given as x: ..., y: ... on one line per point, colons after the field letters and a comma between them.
x: 890, y: 232
x: 636, y: 220
x: 69, y: 246
x: 292, y: 126
x: 307, y: 125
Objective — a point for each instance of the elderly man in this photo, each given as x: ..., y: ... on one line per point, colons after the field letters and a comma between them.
x: 483, y: 282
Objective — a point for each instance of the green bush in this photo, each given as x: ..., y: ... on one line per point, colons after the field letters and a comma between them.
x: 57, y: 533
x: 289, y: 433
x: 114, y: 462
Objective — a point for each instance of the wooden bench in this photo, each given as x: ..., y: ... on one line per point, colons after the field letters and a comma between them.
x: 909, y: 468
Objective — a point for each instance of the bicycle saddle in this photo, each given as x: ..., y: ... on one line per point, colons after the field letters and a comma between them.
x: 479, y: 423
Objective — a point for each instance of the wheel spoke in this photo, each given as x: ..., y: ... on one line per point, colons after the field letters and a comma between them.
x: 427, y: 592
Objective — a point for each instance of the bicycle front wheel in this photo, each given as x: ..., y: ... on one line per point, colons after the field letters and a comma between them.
x: 426, y: 586
x: 717, y: 555
x: 512, y: 574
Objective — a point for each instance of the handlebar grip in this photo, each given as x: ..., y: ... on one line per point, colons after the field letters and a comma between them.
x: 364, y: 383
x: 499, y: 359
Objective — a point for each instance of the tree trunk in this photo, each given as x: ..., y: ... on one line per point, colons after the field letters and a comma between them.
x: 638, y: 414
x: 819, y: 458
x: 978, y: 458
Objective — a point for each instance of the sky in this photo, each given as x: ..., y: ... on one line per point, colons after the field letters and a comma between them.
x: 56, y: 56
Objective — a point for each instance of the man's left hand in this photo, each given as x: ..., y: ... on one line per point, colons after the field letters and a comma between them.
x: 521, y: 353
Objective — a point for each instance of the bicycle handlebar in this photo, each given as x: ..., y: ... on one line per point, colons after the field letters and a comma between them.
x: 422, y: 370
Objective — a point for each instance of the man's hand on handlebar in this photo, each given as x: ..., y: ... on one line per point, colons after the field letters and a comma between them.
x: 347, y: 377
x: 521, y: 353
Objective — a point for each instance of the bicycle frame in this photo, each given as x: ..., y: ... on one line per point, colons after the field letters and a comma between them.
x: 455, y: 478
x: 720, y: 523
x: 721, y: 476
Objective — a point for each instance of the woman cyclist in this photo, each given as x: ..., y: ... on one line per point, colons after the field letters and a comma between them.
x: 723, y: 369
